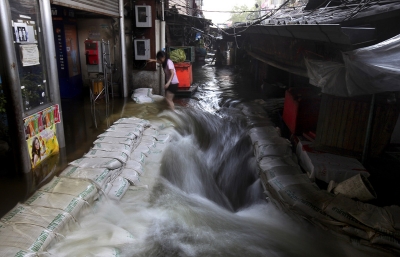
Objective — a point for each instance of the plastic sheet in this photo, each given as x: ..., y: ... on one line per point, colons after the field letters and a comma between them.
x: 367, y: 70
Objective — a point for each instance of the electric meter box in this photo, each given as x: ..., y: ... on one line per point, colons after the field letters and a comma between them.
x: 94, y: 56
x: 142, y: 49
x: 143, y: 16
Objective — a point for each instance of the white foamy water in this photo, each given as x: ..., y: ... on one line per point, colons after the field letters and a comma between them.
x: 203, y: 198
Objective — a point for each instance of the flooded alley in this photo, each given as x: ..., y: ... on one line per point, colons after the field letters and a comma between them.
x: 206, y: 198
x: 197, y: 128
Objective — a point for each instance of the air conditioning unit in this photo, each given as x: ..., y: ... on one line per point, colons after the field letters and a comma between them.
x: 142, y: 49
x: 143, y: 16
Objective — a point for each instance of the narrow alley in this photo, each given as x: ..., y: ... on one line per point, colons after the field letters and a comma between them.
x: 199, y: 128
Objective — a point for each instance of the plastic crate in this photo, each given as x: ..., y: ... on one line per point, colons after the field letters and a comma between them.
x: 184, y: 73
x: 301, y: 110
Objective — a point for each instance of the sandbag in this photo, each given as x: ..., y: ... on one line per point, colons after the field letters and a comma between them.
x: 125, y: 135
x: 265, y: 149
x: 133, y: 120
x: 76, y: 187
x: 278, y: 183
x: 147, y: 144
x: 358, y: 214
x: 263, y: 133
x: 67, y: 203
x: 138, y: 130
x: 268, y: 163
x: 142, y: 95
x: 131, y: 175
x: 309, y: 201
x: 128, y: 126
x: 143, y: 148
x: 138, y: 156
x: 163, y: 138
x: 134, y: 165
x: 356, y: 187
x: 356, y: 232
x: 98, y: 252
x: 120, y: 156
x: 9, y: 251
x: 54, y: 220
x: 157, y: 98
x: 114, y: 140
x: 150, y: 132
x: 144, y: 91
x: 160, y: 124
x: 142, y: 99
x: 21, y: 239
x: 117, y: 188
x: 148, y: 139
x: 119, y: 148
x: 382, y: 239
x: 327, y: 167
x: 99, y: 176
x: 108, y: 163
x: 394, y: 213
x: 282, y: 171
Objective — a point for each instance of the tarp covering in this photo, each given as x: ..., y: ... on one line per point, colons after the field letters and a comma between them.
x: 367, y: 70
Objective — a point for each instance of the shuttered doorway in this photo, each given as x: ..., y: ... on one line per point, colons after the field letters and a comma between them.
x: 105, y: 7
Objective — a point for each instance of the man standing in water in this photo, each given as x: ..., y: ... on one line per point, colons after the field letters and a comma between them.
x: 171, y: 80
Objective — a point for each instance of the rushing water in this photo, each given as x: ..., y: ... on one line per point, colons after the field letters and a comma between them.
x: 205, y: 199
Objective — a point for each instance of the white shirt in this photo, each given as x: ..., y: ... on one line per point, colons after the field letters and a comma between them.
x: 170, y: 66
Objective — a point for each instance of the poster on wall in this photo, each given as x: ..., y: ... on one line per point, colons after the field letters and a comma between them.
x: 41, y: 136
x: 29, y: 55
x: 21, y: 32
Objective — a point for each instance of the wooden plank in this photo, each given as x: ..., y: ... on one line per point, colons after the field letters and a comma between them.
x: 364, y: 116
x: 349, y: 124
x: 354, y: 118
x: 332, y: 126
x: 339, y: 122
x: 320, y: 133
x: 345, y: 116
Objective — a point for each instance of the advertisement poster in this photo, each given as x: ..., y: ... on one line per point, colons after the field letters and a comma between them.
x: 40, y: 133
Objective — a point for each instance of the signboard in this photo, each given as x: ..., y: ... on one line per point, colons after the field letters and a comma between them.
x: 40, y: 134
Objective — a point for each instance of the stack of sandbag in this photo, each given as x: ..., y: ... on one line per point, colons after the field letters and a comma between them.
x: 267, y: 142
x: 110, y: 168
x: 28, y: 230
x: 143, y: 95
x: 290, y: 189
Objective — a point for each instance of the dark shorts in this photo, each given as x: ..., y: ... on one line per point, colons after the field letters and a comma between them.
x: 173, y: 88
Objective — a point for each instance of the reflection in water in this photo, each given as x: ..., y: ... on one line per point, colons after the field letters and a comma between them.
x: 208, y: 200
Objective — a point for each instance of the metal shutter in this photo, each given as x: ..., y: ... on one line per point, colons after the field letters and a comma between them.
x: 105, y: 7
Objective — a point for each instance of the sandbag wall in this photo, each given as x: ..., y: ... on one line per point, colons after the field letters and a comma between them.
x: 112, y: 165
x: 290, y: 189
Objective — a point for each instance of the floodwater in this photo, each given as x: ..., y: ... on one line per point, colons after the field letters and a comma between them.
x: 205, y: 199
